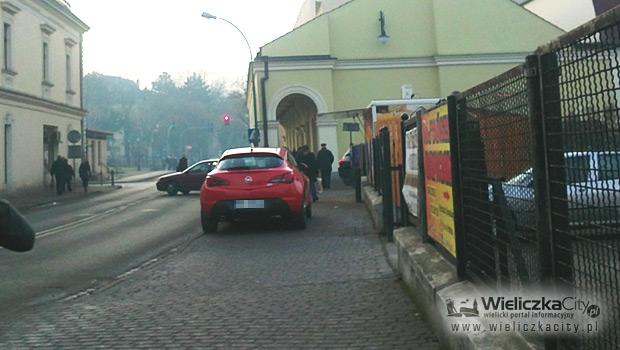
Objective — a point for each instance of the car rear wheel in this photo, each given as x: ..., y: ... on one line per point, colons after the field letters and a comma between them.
x: 208, y: 225
x: 172, y: 189
x: 185, y: 192
x: 300, y: 221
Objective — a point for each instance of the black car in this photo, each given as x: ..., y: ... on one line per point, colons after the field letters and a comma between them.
x: 345, y: 168
x: 190, y: 179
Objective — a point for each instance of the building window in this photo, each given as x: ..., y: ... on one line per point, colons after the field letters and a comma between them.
x: 46, y: 63
x: 68, y: 76
x: 8, y: 47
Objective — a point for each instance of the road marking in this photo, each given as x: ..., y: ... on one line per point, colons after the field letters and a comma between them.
x: 150, y: 210
x: 74, y: 224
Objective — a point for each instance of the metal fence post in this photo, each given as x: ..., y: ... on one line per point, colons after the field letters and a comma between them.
x: 456, y: 105
x: 357, y: 173
x: 421, y: 180
x: 553, y: 143
x: 539, y: 170
x: 388, y: 202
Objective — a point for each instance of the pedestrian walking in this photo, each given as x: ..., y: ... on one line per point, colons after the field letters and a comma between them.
x: 85, y: 173
x: 182, y: 164
x: 310, y: 169
x: 69, y: 174
x: 58, y: 172
x: 325, y: 159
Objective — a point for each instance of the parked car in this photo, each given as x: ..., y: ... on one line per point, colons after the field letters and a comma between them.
x: 190, y: 179
x: 255, y: 182
x: 592, y: 189
x: 345, y: 168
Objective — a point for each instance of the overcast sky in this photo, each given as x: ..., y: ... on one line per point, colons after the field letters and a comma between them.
x: 139, y: 39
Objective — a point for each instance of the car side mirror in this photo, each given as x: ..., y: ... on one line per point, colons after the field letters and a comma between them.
x: 15, y: 232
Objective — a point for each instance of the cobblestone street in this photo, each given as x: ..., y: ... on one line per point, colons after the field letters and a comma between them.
x: 248, y: 286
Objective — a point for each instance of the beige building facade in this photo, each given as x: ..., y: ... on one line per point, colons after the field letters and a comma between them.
x: 310, y: 81
x: 40, y: 89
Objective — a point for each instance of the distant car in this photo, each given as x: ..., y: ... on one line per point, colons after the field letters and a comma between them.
x: 188, y: 180
x: 260, y: 182
x: 592, y: 189
x: 345, y: 168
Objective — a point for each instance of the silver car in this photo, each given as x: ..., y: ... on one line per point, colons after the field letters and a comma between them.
x: 592, y: 189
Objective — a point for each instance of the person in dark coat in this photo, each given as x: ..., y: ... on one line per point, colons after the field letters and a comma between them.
x: 325, y: 159
x: 310, y: 169
x: 69, y: 174
x: 182, y: 164
x: 58, y: 172
x: 85, y: 173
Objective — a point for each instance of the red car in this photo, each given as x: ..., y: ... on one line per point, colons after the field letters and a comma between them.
x: 255, y: 182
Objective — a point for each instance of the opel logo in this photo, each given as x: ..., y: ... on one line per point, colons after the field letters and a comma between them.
x: 248, y: 179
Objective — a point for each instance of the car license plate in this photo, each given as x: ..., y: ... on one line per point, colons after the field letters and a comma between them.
x: 250, y: 204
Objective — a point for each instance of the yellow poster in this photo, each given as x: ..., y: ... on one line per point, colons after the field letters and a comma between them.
x: 440, y: 215
x: 438, y: 178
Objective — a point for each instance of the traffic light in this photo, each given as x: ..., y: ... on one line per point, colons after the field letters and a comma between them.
x: 226, y: 119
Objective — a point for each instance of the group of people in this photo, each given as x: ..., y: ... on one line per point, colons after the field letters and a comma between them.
x: 63, y: 174
x: 313, y: 165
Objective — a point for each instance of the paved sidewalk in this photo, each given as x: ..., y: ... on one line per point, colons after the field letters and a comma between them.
x: 248, y: 286
x: 27, y: 199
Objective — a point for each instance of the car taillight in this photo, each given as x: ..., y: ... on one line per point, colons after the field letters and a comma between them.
x: 284, y: 179
x: 213, y: 181
x: 341, y: 161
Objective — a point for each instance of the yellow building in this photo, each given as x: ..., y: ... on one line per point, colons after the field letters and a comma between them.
x: 344, y: 54
x: 40, y: 89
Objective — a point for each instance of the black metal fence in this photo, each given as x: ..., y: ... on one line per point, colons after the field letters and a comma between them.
x: 539, y: 162
x: 496, y: 174
x: 538, y: 174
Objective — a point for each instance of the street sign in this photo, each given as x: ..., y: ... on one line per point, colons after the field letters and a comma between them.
x: 74, y: 136
x: 350, y: 127
x: 254, y: 136
x: 75, y: 152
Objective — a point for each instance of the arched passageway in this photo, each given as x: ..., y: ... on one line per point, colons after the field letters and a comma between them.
x: 297, y: 116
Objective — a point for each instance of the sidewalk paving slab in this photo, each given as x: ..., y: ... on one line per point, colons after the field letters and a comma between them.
x: 249, y: 286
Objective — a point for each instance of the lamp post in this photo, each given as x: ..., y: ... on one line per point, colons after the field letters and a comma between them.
x: 172, y: 126
x: 210, y: 16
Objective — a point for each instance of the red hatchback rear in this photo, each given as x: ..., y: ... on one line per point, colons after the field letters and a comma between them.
x: 255, y: 182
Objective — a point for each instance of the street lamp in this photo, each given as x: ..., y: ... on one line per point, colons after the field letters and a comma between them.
x: 210, y: 16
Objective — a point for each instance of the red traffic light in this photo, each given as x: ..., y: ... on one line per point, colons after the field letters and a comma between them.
x: 226, y: 118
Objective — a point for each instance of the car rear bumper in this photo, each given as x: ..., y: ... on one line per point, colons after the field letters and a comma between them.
x: 161, y: 186
x: 226, y: 209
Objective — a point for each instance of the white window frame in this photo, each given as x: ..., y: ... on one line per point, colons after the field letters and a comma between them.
x: 69, y: 66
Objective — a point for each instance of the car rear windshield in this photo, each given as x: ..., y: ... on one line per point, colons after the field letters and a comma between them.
x: 250, y: 162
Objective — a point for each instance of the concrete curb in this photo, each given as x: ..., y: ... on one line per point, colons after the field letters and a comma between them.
x: 432, y: 279
x: 374, y: 204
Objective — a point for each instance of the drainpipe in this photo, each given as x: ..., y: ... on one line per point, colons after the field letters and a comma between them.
x: 254, y: 98
x: 82, y: 95
x: 263, y: 98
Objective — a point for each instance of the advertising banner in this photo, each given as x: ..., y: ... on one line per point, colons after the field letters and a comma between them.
x: 438, y: 177
x: 410, y: 187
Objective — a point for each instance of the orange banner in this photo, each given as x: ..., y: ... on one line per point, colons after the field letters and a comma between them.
x: 438, y: 178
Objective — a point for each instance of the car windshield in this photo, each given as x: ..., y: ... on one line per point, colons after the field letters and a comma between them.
x: 251, y: 162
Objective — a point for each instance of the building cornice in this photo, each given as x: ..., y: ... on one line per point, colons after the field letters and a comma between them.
x: 387, y: 63
x: 31, y: 100
x: 64, y: 12
x: 47, y: 29
x: 9, y: 7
